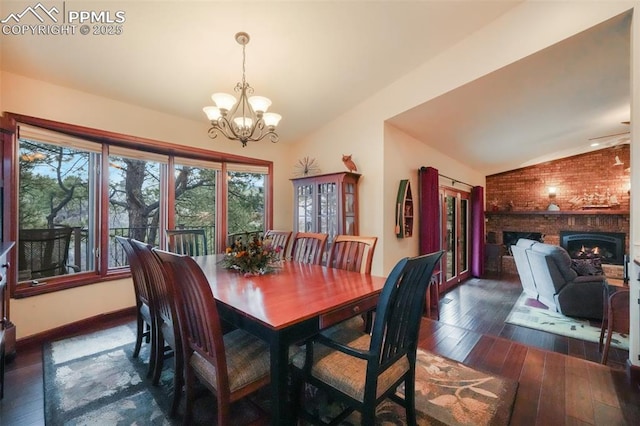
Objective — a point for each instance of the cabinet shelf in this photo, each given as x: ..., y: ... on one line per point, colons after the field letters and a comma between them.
x: 404, y: 210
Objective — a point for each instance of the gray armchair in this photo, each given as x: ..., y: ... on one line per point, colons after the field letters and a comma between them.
x: 522, y: 265
x: 557, y: 285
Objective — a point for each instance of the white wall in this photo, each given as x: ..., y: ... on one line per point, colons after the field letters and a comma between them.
x: 36, y: 314
x: 39, y: 99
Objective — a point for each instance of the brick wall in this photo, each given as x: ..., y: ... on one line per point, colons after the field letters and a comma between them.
x: 517, y: 200
x: 573, y: 177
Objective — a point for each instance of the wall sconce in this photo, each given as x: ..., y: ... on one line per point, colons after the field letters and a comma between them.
x: 552, y: 191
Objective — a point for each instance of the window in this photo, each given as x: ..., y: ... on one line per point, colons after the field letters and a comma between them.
x: 246, y: 201
x: 134, y: 200
x: 78, y: 188
x: 195, y: 197
x: 55, y: 208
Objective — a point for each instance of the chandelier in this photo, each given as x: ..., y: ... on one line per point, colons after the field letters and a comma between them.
x: 246, y: 119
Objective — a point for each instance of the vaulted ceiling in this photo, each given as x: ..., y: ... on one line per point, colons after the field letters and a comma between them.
x: 316, y: 60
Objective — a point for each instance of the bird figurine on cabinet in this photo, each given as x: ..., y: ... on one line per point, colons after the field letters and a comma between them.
x: 346, y: 159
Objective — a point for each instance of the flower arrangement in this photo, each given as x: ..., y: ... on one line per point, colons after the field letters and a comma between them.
x: 256, y: 257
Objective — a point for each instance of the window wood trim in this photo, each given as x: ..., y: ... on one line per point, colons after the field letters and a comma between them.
x: 9, y: 124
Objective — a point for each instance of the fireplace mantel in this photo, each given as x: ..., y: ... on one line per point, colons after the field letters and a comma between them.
x: 592, y: 212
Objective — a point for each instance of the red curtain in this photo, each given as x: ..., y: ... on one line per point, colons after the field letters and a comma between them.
x: 428, y: 188
x: 477, y: 231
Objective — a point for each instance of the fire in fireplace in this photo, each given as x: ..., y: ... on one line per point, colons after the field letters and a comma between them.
x: 608, y: 246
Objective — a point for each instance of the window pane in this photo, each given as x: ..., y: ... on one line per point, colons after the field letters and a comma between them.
x: 245, y: 208
x: 134, y: 198
x: 195, y: 204
x: 56, y: 210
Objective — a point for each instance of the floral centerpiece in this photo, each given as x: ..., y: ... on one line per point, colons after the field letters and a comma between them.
x: 256, y: 257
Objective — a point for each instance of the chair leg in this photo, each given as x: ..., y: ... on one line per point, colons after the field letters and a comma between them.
x: 178, y: 382
x: 602, y: 333
x: 158, y: 362
x: 605, y: 315
x: 140, y: 325
x: 410, y: 398
x: 369, y: 416
x: 2, y: 360
x: 605, y: 352
x: 189, y: 384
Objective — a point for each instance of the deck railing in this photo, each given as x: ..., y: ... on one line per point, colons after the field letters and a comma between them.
x: 82, y: 256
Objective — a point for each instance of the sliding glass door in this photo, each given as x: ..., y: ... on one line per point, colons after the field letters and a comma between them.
x: 456, y: 208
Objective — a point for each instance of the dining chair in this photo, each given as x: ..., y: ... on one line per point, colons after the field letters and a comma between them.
x: 308, y: 247
x: 353, y: 253
x: 192, y: 242
x: 167, y: 329
x: 279, y: 239
x: 145, y: 315
x: 232, y: 365
x: 368, y: 368
x: 617, y: 319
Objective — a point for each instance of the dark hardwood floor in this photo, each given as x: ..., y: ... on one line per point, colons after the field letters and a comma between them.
x: 560, y: 379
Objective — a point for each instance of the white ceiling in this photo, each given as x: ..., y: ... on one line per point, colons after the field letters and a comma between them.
x: 545, y: 106
x: 318, y: 59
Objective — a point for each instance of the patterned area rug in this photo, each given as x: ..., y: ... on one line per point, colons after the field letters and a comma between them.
x: 93, y: 380
x: 532, y: 314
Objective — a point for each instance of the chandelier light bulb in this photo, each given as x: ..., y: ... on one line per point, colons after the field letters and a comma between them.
x: 224, y: 101
x: 271, y: 119
x: 213, y: 113
x: 260, y: 104
x: 243, y: 122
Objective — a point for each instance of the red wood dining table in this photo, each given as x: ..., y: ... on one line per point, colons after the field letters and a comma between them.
x: 287, y: 306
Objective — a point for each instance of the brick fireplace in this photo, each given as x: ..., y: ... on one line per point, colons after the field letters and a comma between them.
x: 590, y: 196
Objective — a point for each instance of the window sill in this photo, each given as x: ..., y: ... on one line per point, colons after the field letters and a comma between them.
x: 24, y: 290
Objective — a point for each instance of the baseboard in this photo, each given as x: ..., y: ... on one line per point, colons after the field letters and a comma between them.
x: 78, y: 327
x: 633, y: 374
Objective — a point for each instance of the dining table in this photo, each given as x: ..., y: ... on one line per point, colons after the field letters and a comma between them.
x: 287, y: 306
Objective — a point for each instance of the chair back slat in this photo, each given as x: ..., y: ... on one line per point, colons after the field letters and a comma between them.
x: 197, y: 314
x: 353, y: 253
x: 157, y: 283
x: 308, y: 247
x: 397, y: 321
x: 279, y: 239
x: 140, y: 286
x: 192, y: 242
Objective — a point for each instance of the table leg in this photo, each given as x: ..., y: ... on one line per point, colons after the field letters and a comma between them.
x: 280, y: 414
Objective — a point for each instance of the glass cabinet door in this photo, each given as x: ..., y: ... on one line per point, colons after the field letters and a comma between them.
x: 304, y: 197
x: 326, y: 204
x: 349, y: 208
x: 327, y: 219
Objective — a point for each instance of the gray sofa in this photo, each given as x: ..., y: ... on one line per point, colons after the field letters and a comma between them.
x: 546, y: 275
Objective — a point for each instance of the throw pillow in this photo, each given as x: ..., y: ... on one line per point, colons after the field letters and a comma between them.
x: 592, y: 266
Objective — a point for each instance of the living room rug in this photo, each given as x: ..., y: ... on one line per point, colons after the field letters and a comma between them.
x: 530, y: 313
x: 93, y: 379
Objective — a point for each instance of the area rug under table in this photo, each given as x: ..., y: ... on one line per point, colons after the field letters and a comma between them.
x: 94, y: 380
x: 532, y: 314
